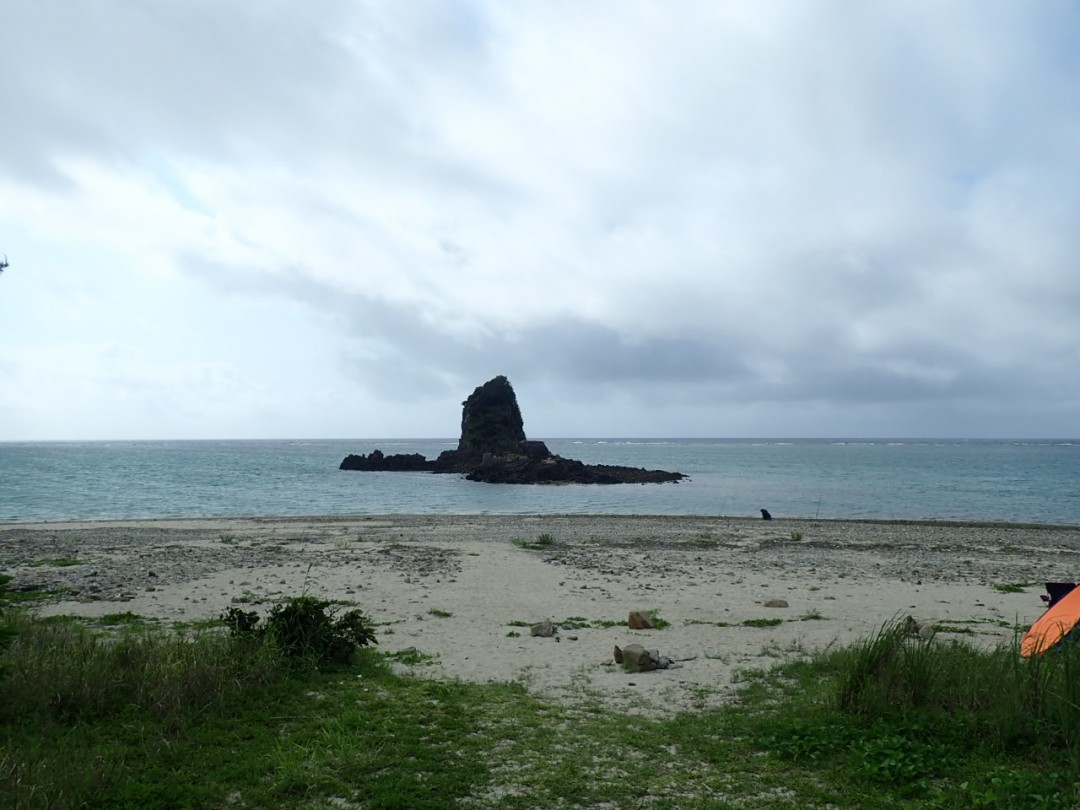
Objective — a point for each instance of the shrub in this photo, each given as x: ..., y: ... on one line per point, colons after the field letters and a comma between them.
x: 306, y: 627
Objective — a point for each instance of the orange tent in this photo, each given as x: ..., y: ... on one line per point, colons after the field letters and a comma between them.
x: 1052, y: 626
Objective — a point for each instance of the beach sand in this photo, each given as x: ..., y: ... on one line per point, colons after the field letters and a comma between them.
x: 458, y: 589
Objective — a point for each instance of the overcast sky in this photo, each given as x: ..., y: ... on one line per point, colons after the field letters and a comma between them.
x: 335, y: 219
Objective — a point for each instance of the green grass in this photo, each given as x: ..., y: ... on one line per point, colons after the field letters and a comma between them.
x: 57, y: 562
x: 953, y: 628
x: 146, y: 717
x: 658, y: 621
x: 8, y: 597
x: 125, y: 618
x: 542, y: 542
x: 1011, y: 587
x: 762, y: 622
x: 412, y: 657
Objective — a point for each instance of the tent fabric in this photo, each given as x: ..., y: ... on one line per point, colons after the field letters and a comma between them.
x: 1052, y: 626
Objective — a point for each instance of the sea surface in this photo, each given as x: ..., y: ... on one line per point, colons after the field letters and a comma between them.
x: 1009, y: 481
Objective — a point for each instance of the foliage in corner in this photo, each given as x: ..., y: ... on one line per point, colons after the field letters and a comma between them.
x: 306, y: 627
x: 7, y: 627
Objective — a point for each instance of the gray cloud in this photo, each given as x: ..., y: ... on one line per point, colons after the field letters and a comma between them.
x: 799, y: 205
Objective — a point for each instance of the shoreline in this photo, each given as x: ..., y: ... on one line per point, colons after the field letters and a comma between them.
x: 457, y: 592
x: 333, y: 518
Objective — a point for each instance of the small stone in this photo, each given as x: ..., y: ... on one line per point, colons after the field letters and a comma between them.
x: 636, y: 658
x: 545, y: 629
x: 639, y: 621
x: 776, y: 603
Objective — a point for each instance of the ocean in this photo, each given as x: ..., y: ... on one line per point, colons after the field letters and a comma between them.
x: 1006, y: 481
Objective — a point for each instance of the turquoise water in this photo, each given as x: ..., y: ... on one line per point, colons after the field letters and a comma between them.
x: 1023, y: 482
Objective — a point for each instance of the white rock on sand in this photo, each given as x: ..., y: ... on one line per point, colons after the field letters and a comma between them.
x: 466, y: 589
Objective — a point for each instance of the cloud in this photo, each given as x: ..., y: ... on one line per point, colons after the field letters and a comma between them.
x: 859, y: 213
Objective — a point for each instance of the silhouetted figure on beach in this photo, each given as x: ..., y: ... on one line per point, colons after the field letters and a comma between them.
x: 765, y: 514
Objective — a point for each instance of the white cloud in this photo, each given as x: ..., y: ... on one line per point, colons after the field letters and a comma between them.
x: 770, y: 216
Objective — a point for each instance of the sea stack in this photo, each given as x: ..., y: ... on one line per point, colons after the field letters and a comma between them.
x: 493, y: 448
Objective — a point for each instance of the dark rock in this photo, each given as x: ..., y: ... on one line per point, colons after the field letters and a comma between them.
x: 491, y: 423
x: 635, y: 658
x: 376, y: 462
x: 493, y: 449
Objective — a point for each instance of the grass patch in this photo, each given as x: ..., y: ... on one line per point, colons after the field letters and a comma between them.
x: 706, y: 541
x: 658, y: 621
x: 57, y: 562
x: 10, y: 597
x: 412, y: 657
x: 1011, y: 587
x: 127, y: 618
x: 796, y: 535
x: 935, y: 724
x: 442, y: 614
x: 953, y: 628
x: 197, y: 625
x: 543, y: 541
x: 155, y: 718
x: 575, y: 623
x: 762, y: 622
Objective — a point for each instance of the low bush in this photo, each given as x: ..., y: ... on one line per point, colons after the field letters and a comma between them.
x: 305, y: 627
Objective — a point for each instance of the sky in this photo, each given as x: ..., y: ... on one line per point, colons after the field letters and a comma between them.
x: 798, y: 218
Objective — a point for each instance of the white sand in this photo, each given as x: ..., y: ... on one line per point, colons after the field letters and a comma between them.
x: 406, y: 571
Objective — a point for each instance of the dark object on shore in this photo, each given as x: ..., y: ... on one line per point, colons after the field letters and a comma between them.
x: 1056, y: 591
x: 493, y: 449
x: 3, y: 263
x: 765, y: 514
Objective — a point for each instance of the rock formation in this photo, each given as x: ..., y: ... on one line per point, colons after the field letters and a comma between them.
x: 493, y: 449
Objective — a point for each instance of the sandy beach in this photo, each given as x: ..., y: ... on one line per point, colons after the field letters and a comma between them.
x: 462, y: 590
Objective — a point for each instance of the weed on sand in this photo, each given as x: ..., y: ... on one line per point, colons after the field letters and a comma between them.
x: 542, y: 542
